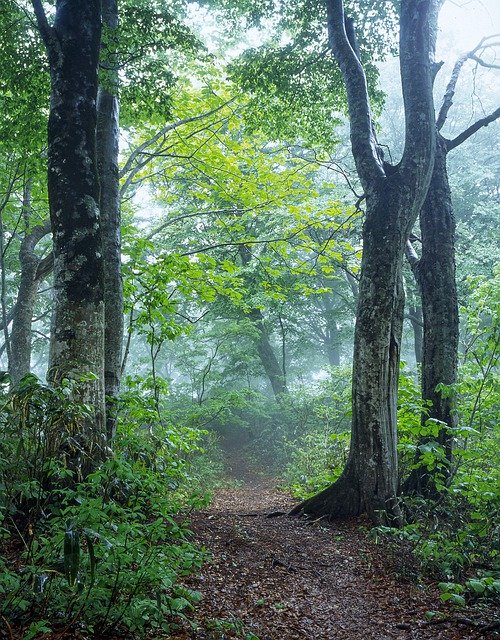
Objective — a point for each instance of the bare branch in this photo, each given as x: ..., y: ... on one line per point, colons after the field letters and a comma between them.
x: 484, y: 44
x: 483, y: 63
x: 479, y: 124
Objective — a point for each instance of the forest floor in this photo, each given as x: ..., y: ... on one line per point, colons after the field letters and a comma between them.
x: 282, y: 578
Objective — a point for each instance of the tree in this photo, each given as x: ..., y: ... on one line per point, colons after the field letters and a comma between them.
x: 33, y: 271
x: 23, y: 137
x: 107, y: 132
x: 435, y: 275
x: 394, y: 195
x: 77, y: 336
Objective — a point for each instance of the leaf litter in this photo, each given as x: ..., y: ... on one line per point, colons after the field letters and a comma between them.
x: 272, y: 577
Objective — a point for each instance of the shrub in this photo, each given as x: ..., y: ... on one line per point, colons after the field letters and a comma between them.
x: 107, y: 553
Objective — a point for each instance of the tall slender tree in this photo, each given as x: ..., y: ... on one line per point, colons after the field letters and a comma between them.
x: 435, y: 276
x: 108, y: 130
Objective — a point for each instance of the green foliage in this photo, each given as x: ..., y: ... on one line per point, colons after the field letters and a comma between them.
x: 292, y: 79
x: 152, y: 43
x: 24, y: 83
x: 316, y: 451
x: 107, y: 553
x: 456, y: 537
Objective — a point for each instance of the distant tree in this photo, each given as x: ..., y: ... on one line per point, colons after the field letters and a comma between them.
x: 108, y: 134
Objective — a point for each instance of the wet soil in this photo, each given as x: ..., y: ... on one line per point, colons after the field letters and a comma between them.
x: 273, y: 577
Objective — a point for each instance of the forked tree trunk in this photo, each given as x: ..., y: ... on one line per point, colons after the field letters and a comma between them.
x: 394, y: 196
x: 108, y: 130
x: 77, y: 335
x: 369, y: 482
x: 435, y: 276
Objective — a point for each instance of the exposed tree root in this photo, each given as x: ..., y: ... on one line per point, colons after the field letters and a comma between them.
x: 340, y: 500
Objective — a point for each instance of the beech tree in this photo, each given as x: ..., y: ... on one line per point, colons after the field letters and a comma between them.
x: 107, y: 132
x: 435, y: 276
x: 394, y: 196
x: 77, y: 338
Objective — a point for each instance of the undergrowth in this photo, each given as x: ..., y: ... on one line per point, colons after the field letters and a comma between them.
x: 104, y: 555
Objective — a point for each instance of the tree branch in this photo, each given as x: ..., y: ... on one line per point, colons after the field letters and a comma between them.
x: 418, y: 29
x: 45, y: 267
x: 450, y: 91
x: 465, y: 135
x: 363, y: 142
x: 450, y: 88
x: 163, y: 132
x: 46, y: 31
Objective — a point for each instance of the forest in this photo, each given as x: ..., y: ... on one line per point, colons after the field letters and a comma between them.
x: 250, y: 319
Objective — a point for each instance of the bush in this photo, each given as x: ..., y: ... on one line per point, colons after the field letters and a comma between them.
x: 105, y: 554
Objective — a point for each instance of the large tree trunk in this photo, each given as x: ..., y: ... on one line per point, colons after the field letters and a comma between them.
x: 435, y: 276
x: 369, y: 482
x: 107, y: 160
x: 435, y: 273
x: 394, y: 196
x: 77, y: 336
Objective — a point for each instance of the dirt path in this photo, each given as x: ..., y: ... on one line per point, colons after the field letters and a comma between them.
x: 284, y: 579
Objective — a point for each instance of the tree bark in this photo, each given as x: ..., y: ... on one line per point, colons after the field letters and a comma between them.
x: 77, y: 334
x: 394, y: 195
x: 108, y: 129
x: 435, y: 276
x: 19, y: 364
x: 436, y: 279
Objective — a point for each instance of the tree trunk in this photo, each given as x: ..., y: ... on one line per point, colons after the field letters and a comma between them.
x: 19, y: 364
x: 107, y: 161
x: 369, y: 481
x: 436, y: 279
x: 435, y: 276
x: 267, y: 356
x: 77, y: 335
x: 416, y: 320
x: 394, y: 196
x: 332, y: 342
x: 265, y: 350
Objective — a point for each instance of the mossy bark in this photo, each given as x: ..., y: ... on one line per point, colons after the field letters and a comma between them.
x: 77, y: 333
x: 394, y: 195
x: 435, y: 274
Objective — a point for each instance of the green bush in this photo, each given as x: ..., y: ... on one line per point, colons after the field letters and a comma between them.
x: 456, y: 537
x: 108, y: 553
